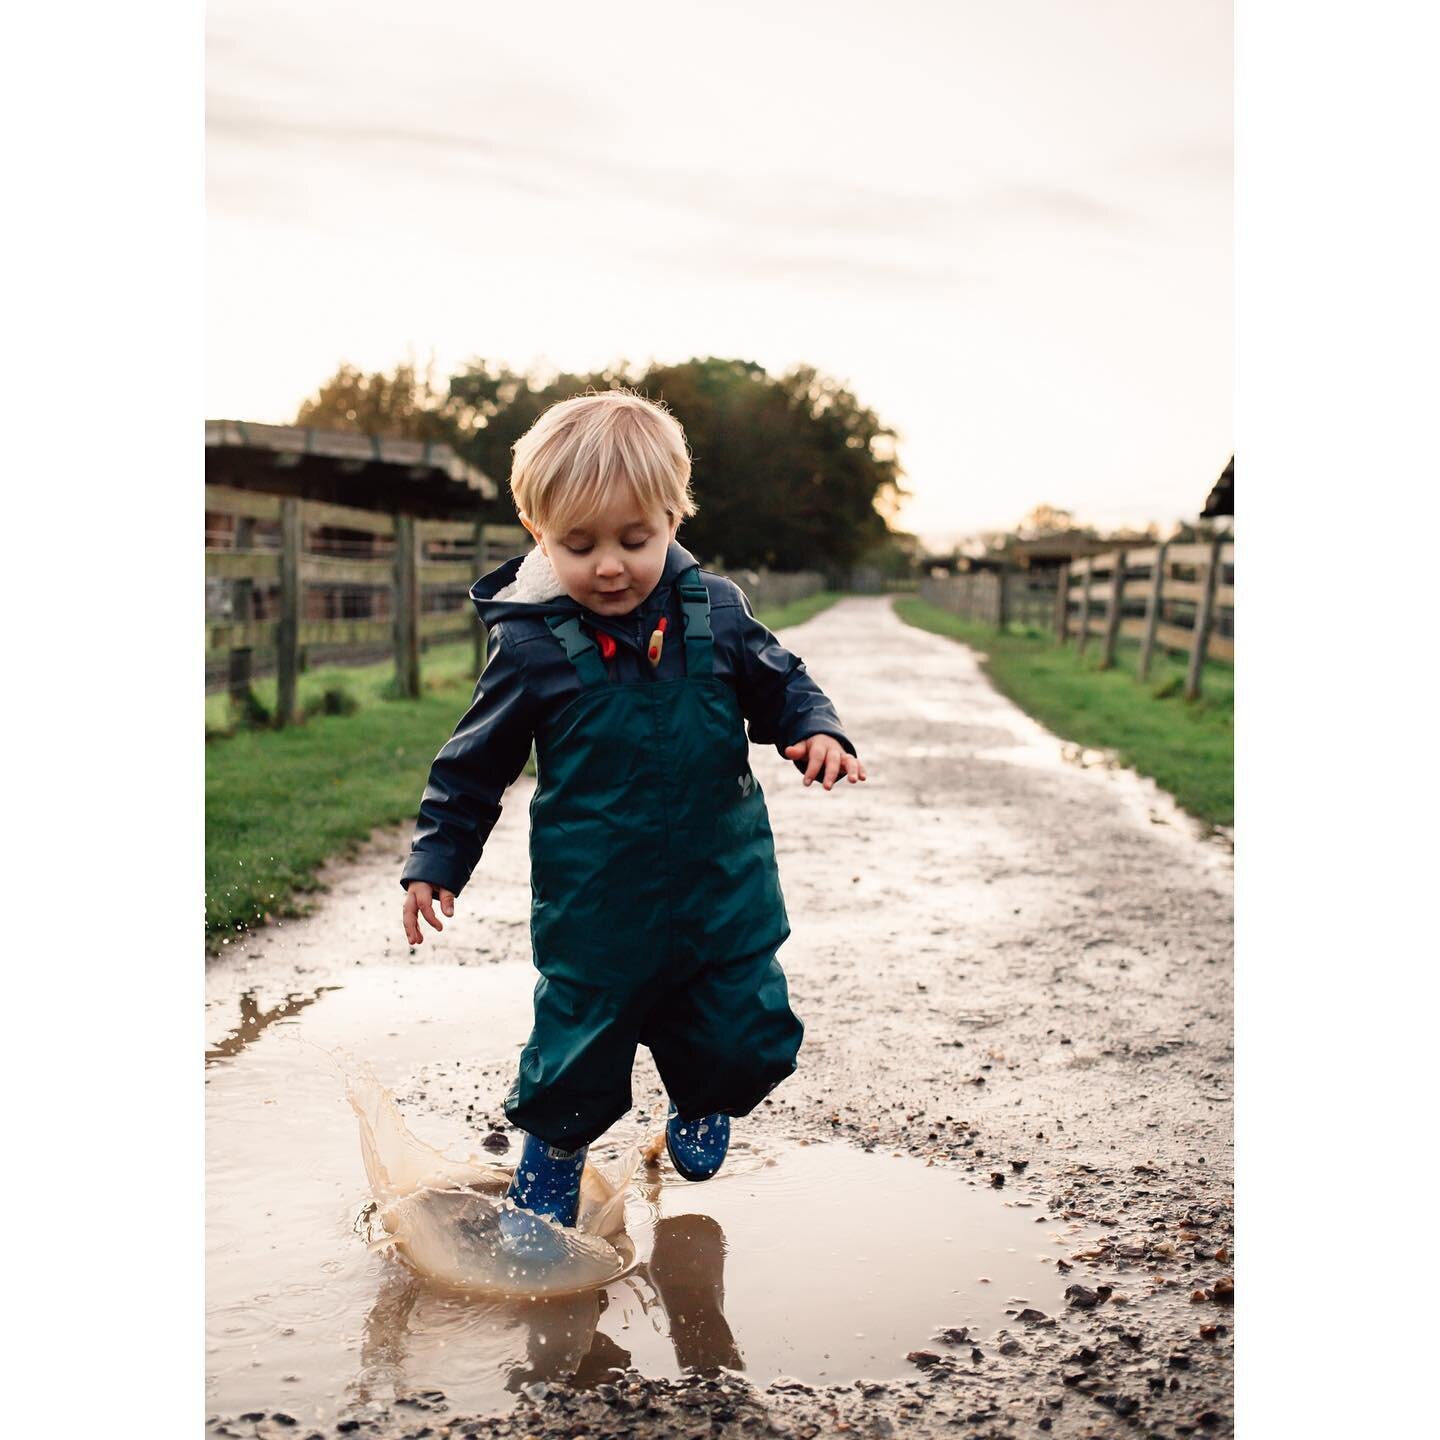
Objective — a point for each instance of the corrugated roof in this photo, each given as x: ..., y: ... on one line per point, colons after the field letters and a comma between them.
x: 419, y: 457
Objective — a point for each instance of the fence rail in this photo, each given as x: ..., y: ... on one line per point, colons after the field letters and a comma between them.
x: 1177, y: 597
x: 765, y: 588
x: 290, y: 581
x: 285, y: 577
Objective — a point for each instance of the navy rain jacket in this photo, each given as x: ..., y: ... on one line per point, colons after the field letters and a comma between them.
x: 528, y: 678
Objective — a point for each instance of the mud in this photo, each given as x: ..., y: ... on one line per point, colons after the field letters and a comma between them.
x: 1015, y: 973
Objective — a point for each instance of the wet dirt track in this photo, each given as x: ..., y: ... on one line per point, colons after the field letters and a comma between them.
x: 1011, y: 964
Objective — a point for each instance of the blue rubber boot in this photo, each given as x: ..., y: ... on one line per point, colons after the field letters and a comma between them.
x: 547, y: 1185
x: 697, y: 1147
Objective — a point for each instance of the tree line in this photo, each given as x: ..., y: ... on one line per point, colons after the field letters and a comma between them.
x: 790, y: 471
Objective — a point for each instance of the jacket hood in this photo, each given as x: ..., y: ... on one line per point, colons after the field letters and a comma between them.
x: 506, y: 593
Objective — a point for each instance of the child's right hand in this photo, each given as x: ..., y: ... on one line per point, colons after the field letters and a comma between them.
x: 419, y: 900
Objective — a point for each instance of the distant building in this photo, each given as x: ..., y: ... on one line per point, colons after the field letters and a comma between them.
x: 1041, y: 553
x: 1050, y: 552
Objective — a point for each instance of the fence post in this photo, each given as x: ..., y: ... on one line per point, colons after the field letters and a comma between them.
x: 1152, y: 613
x: 481, y: 634
x: 1112, y: 620
x: 1002, y: 597
x: 1084, y: 633
x: 287, y: 632
x: 1062, y: 604
x: 407, y: 610
x: 1200, y: 642
x: 241, y: 591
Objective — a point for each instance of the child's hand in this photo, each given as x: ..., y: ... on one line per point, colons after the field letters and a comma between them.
x: 826, y: 751
x: 419, y: 900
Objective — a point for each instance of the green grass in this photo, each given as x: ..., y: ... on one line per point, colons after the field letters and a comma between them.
x: 1187, y: 748
x: 365, y: 684
x: 797, y: 612
x: 279, y: 803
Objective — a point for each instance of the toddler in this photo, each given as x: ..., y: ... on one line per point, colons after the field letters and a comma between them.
x: 656, y: 906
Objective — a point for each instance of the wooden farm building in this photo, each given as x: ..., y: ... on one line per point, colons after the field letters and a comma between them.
x: 325, y: 545
x: 1221, y: 500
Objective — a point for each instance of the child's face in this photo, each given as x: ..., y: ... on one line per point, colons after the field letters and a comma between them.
x: 612, y: 560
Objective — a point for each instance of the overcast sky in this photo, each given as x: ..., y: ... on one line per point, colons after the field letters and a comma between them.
x: 1005, y: 225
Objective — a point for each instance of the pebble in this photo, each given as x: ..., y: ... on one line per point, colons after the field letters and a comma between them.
x: 1122, y: 1405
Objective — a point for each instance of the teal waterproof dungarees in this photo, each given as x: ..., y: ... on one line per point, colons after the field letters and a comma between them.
x: 656, y: 906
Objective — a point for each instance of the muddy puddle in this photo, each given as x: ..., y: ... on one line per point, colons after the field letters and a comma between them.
x: 816, y: 1261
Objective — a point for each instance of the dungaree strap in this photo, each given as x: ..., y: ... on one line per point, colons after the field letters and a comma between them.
x: 584, y: 655
x: 580, y: 649
x: 695, y: 603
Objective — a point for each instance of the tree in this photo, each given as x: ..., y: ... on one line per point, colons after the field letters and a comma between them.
x: 403, y: 406
x: 792, y: 472
x: 1046, y: 520
x: 788, y: 471
x: 491, y: 406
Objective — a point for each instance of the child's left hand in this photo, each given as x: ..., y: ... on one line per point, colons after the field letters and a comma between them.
x: 825, y: 751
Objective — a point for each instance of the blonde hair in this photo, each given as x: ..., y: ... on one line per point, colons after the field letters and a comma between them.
x: 569, y: 461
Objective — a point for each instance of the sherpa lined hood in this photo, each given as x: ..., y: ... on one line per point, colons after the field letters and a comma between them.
x: 527, y: 585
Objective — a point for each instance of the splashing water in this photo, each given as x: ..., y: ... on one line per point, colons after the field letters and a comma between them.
x: 441, y: 1215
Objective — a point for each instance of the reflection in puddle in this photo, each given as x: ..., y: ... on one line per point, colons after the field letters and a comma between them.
x: 254, y: 1021
x: 829, y: 1264
x: 679, y: 1291
x: 687, y: 1269
x: 819, y: 1261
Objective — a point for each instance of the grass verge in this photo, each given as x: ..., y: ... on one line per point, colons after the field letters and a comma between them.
x: 279, y: 803
x: 451, y: 664
x: 797, y: 612
x: 1187, y: 748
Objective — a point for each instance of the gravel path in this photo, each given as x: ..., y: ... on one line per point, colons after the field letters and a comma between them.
x: 1011, y: 959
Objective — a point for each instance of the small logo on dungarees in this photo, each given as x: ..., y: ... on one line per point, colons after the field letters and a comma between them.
x: 746, y: 783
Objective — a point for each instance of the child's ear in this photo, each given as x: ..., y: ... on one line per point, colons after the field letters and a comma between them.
x: 535, y: 535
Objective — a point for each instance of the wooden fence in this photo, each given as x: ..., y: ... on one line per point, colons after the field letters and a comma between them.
x: 765, y: 588
x: 1172, y: 596
x: 291, y: 581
